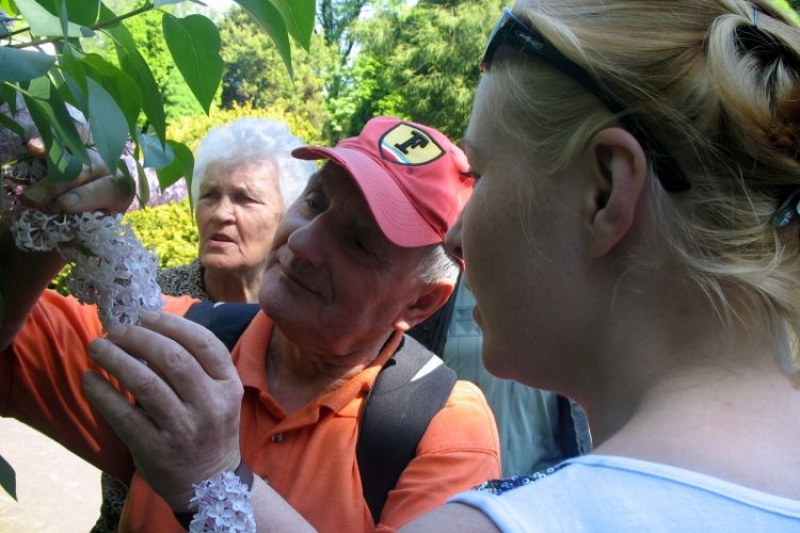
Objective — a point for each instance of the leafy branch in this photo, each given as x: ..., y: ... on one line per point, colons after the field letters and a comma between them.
x: 51, y: 78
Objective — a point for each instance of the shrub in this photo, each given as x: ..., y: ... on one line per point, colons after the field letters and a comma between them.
x: 189, y: 130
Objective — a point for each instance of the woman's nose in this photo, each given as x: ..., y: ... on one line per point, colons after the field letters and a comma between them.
x: 452, y: 240
x: 223, y: 210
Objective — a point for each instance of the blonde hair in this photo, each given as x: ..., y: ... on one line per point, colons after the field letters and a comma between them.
x: 720, y: 90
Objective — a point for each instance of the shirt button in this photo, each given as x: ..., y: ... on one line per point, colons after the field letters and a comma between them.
x: 277, y: 437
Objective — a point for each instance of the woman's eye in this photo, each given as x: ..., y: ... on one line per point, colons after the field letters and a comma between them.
x: 244, y: 199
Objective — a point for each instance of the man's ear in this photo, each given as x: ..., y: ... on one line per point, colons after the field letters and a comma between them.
x: 432, y: 298
x: 618, y: 173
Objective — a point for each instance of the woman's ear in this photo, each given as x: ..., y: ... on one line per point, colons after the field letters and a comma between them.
x: 619, y: 170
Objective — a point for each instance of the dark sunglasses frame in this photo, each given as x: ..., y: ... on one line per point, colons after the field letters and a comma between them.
x: 511, y: 31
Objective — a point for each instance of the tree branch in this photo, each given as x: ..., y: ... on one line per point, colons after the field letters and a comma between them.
x: 147, y: 6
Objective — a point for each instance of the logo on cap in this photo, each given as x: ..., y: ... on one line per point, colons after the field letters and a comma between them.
x: 407, y: 145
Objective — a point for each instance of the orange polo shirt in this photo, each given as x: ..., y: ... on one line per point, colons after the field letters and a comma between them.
x: 307, y: 456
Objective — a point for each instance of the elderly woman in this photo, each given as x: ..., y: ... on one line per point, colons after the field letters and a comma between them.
x: 634, y: 242
x: 244, y: 178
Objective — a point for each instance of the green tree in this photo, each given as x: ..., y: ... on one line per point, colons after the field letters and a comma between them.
x: 433, y: 52
x: 147, y: 31
x: 254, y: 76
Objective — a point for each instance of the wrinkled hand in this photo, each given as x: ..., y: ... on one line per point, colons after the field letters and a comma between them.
x: 94, y: 189
x: 185, y: 426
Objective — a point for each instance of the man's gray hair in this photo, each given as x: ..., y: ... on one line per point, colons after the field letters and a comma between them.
x: 438, y: 265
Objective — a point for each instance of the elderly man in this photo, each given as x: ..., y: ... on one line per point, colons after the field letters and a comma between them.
x: 267, y: 435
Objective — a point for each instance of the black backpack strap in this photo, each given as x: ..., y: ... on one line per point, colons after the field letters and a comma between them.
x: 410, y: 389
x: 226, y: 320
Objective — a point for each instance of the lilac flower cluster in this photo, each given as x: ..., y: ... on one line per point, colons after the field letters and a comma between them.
x: 111, y: 268
x: 223, y: 506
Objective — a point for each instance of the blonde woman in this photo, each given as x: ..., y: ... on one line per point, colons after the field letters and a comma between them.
x: 633, y: 242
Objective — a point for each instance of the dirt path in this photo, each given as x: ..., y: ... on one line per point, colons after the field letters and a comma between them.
x: 57, y: 491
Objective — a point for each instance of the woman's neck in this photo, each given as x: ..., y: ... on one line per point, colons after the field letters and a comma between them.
x: 230, y: 287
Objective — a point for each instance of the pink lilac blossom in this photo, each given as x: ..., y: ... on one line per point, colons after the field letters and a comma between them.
x: 111, y: 268
x: 222, y: 505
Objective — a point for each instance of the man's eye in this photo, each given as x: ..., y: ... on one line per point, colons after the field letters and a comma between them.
x: 361, y: 246
x: 313, y: 204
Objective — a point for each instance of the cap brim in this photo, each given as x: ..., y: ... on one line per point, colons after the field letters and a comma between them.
x: 397, y: 217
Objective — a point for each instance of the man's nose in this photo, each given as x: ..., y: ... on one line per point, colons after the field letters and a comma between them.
x: 309, y: 241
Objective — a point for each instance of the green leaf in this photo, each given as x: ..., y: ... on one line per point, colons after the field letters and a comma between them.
x: 75, y: 78
x: 143, y: 189
x: 269, y: 18
x: 299, y: 16
x: 118, y: 83
x: 8, y: 478
x: 161, y: 3
x: 52, y: 116
x: 61, y: 165
x: 84, y: 12
x: 194, y: 44
x: 10, y: 124
x: 156, y: 155
x: 181, y: 167
x: 21, y: 65
x: 132, y: 62
x: 43, y: 23
x: 8, y: 7
x: 108, y: 124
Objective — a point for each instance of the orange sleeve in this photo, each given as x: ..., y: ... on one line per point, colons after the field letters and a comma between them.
x: 40, y: 380
x: 459, y: 450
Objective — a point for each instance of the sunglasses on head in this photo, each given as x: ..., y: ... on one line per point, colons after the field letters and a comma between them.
x: 511, y: 31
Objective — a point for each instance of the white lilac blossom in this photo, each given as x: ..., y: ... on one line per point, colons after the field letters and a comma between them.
x: 222, y: 505
x: 111, y: 268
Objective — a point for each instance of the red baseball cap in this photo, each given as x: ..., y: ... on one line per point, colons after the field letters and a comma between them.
x: 415, y: 180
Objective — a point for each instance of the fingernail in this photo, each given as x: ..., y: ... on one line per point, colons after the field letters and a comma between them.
x: 115, y: 332
x: 69, y: 199
x: 36, y: 144
x: 94, y: 347
x: 37, y: 193
x: 148, y: 318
